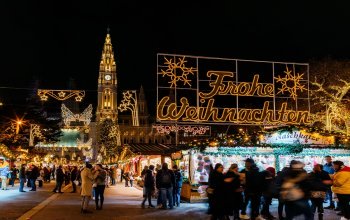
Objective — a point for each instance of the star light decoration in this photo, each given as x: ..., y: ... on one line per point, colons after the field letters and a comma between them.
x: 61, y: 95
x: 290, y: 83
x: 178, y: 72
x: 129, y: 102
x: 35, y: 131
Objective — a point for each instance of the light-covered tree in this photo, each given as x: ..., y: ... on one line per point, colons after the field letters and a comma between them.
x: 109, y: 141
x: 330, y: 85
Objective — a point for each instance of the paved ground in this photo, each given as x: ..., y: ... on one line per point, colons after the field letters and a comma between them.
x: 13, y: 203
x: 120, y: 203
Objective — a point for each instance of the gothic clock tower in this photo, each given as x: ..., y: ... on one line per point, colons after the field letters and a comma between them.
x: 107, y: 84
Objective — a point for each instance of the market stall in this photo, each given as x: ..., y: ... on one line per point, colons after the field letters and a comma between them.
x: 275, y: 150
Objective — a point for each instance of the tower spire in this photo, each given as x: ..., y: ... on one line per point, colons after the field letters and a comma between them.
x: 107, y: 63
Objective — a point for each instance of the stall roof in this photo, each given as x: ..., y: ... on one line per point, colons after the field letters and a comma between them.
x: 155, y: 149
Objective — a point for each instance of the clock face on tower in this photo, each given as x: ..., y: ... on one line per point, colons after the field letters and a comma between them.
x: 108, y: 77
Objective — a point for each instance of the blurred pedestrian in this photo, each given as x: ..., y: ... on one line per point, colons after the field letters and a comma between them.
x: 294, y: 191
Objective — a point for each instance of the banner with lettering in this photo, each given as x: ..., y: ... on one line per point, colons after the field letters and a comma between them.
x: 297, y: 137
x: 192, y: 89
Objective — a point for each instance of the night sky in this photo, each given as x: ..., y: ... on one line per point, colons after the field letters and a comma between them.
x: 54, y: 41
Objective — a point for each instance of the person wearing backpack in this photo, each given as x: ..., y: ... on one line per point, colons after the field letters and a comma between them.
x: 165, y: 181
x: 178, y: 186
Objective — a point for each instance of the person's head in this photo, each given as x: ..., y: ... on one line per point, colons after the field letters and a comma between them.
x: 88, y: 165
x: 59, y: 167
x: 151, y: 167
x: 23, y: 165
x: 338, y: 165
x: 164, y: 166
x: 219, y: 168
x: 145, y: 167
x: 328, y: 159
x: 98, y: 166
x: 175, y: 167
x: 271, y: 170
x: 317, y: 168
x: 234, y: 167
x: 249, y: 163
x: 296, y: 165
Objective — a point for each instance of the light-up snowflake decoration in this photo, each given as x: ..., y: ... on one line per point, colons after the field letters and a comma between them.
x: 290, y: 83
x: 178, y: 72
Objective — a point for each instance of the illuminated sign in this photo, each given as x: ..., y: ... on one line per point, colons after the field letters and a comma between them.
x: 191, y: 130
x: 297, y: 137
x: 214, y: 90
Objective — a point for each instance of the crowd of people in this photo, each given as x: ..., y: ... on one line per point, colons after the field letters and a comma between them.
x: 229, y: 193
x: 164, y: 184
x: 298, y: 192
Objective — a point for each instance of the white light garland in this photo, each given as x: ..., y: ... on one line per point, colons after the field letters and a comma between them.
x: 68, y: 116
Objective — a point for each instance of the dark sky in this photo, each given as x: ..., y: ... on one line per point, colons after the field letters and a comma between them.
x: 57, y: 40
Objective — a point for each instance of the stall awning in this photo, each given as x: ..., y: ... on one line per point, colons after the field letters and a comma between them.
x: 155, y: 149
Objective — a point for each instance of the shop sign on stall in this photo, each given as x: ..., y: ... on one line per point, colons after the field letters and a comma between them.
x: 297, y: 136
x: 192, y: 89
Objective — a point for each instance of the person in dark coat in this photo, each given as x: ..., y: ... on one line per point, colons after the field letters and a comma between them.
x: 34, y: 174
x: 233, y: 192
x: 178, y: 186
x: 254, y: 185
x: 269, y: 192
x: 319, y: 184
x: 217, y: 200
x: 14, y: 172
x: 22, y: 177
x: 60, y: 176
x: 149, y: 185
x: 294, y: 191
x: 278, y: 183
x: 73, y: 177
x: 165, y: 181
